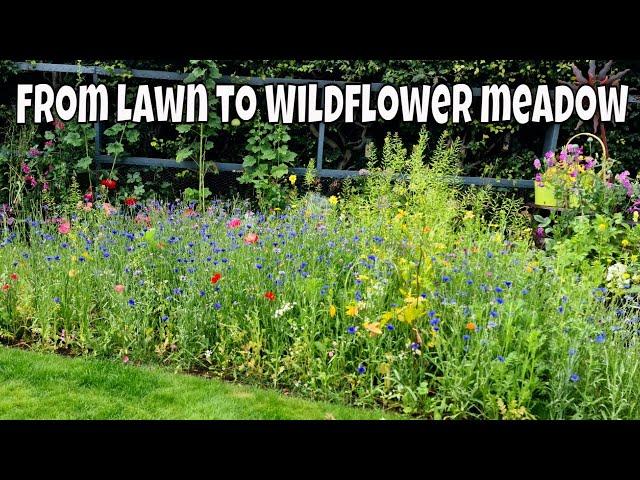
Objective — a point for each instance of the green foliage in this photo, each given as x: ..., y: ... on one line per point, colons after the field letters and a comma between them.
x: 267, y: 163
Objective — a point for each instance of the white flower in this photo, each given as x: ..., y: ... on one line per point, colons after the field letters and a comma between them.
x: 284, y: 309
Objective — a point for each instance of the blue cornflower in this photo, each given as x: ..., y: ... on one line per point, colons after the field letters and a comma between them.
x: 491, y: 325
x: 361, y: 369
x: 525, y: 291
x: 432, y: 313
x: 572, y: 352
x: 202, y: 293
x: 132, y: 302
x: 164, y: 318
x: 390, y: 327
x: 508, y: 284
x: 500, y: 358
x: 469, y: 282
x: 352, y: 330
x: 560, y: 309
x: 489, y: 255
x: 465, y: 337
x: 217, y: 306
x: 435, y: 322
x: 372, y: 258
x: 56, y: 299
x: 177, y: 291
x: 574, y: 377
x: 498, y: 290
x: 493, y: 313
x: 446, y: 279
x: 415, y: 346
x: 258, y: 266
x: 358, y: 295
x: 600, y: 338
x: 500, y: 300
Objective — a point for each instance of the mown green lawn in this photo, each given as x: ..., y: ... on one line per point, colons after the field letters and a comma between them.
x: 46, y: 386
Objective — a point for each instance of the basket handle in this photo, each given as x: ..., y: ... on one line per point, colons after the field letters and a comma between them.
x: 604, y: 150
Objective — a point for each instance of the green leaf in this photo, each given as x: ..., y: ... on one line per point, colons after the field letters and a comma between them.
x: 132, y: 135
x: 115, y: 148
x: 114, y: 129
x: 183, y: 154
x: 73, y: 138
x: 249, y: 161
x: 84, y: 163
x: 183, y: 128
x: 278, y: 171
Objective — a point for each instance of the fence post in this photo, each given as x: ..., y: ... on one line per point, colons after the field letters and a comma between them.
x: 320, y: 152
x: 551, y: 138
x: 98, y: 145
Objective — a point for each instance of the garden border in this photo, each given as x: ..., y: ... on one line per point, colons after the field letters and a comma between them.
x: 550, y: 139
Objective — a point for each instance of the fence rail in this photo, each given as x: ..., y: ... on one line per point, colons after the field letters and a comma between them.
x: 550, y: 138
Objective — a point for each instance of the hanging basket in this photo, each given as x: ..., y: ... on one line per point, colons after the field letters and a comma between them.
x: 545, y: 195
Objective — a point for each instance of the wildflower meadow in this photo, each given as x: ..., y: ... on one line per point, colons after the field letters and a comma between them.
x: 403, y: 290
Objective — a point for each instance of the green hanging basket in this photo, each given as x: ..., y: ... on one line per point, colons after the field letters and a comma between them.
x: 545, y: 195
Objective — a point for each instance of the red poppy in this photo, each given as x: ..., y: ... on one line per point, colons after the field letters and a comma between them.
x: 5, y: 287
x: 130, y: 201
x: 109, y: 183
x: 14, y: 277
x: 270, y: 296
x: 215, y: 278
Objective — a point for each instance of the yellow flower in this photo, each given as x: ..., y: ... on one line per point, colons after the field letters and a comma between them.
x: 602, y: 227
x: 352, y: 310
x: 333, y: 200
x: 73, y: 272
x: 468, y: 215
x: 332, y: 311
x: 292, y: 179
x: 635, y: 216
x: 373, y: 328
x: 625, y: 243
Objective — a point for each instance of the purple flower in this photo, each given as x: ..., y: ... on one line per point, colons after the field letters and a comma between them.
x: 549, y: 155
x: 563, y: 156
x: 540, y: 232
x: 25, y: 168
x: 34, y: 152
x: 537, y: 164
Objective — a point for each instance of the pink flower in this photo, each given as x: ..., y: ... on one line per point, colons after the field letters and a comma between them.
x: 58, y: 124
x: 45, y: 186
x: 25, y: 168
x: 234, y: 223
x: 125, y: 359
x: 30, y: 179
x: 64, y: 228
x: 119, y: 288
x: 48, y: 144
x: 250, y: 238
x: 563, y: 156
x: 537, y: 164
